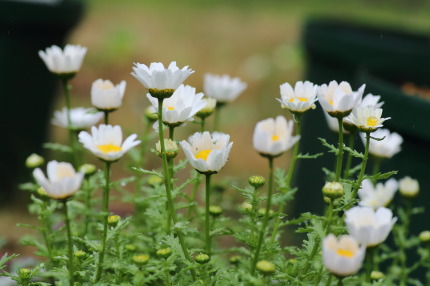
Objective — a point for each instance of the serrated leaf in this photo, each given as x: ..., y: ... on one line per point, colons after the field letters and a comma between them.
x: 353, y: 152
x: 58, y: 147
x: 143, y: 171
x: 330, y: 147
x: 308, y: 156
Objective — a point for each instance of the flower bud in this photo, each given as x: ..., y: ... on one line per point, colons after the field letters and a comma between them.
x: 113, y: 220
x: 235, y: 259
x: 202, y: 258
x: 256, y: 181
x: 80, y: 254
x: 266, y: 267
x: 24, y: 273
x: 170, y: 146
x: 208, y: 109
x: 130, y: 247
x: 246, y: 207
x: 333, y: 190
x: 215, y: 211
x: 164, y: 252
x: 34, y: 161
x: 151, y: 114
x: 155, y: 180
x: 88, y: 169
x: 262, y: 212
x: 377, y: 275
x: 161, y: 93
x: 409, y: 187
x: 425, y: 236
x: 140, y: 258
x: 41, y: 192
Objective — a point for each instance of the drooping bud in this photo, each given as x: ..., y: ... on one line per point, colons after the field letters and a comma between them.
x: 113, y: 220
x: 151, y: 114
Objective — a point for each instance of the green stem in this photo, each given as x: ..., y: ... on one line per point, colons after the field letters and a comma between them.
x: 207, y: 226
x: 266, y: 218
x: 69, y: 244
x: 202, y: 124
x: 329, y: 217
x: 403, y: 235
x: 340, y: 151
x: 166, y: 271
x: 45, y: 217
x: 370, y: 258
x: 340, y: 281
x: 376, y: 166
x: 106, y: 117
x: 194, y: 194
x: 363, y: 166
x: 87, y: 192
x: 328, y: 280
x: 105, y: 212
x: 167, y: 184
x: 66, y: 89
x: 217, y: 115
x: 351, y: 145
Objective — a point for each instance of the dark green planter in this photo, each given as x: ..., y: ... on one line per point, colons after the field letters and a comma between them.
x: 27, y: 88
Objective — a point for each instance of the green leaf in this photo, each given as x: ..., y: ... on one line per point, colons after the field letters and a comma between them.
x: 58, y: 147
x: 307, y: 156
x: 330, y: 147
x: 381, y: 176
x: 143, y: 171
x: 353, y: 152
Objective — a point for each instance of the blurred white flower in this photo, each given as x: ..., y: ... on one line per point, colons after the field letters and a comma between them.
x: 339, y: 99
x: 208, y: 109
x: 160, y: 78
x: 299, y: 99
x: 80, y: 117
x: 62, y: 181
x: 342, y: 256
x: 205, y: 153
x: 371, y: 100
x: 67, y: 61
x: 106, y: 142
x: 272, y: 137
x: 105, y: 96
x: 409, y: 187
x: 369, y: 227
x: 223, y: 88
x: 181, y: 106
x: 377, y: 196
x: 366, y: 118
x: 385, y: 148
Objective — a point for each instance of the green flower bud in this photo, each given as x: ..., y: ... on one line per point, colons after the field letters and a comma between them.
x: 235, y: 259
x: 246, y: 207
x: 140, y: 258
x: 24, y: 273
x: 155, y: 180
x: 202, y: 258
x: 130, y: 247
x: 262, y: 212
x: 170, y: 146
x: 80, y: 254
x: 256, y: 181
x: 208, y: 109
x: 377, y: 275
x: 409, y: 187
x: 151, y: 114
x: 34, y: 161
x: 215, y: 211
x: 333, y: 190
x: 425, y: 236
x: 292, y: 261
x: 41, y: 192
x: 164, y: 252
x: 113, y: 220
x: 88, y: 169
x: 266, y: 267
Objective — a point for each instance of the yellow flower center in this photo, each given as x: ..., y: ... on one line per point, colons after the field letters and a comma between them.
x: 372, y: 121
x: 344, y: 252
x: 109, y: 148
x: 203, y: 154
x: 170, y: 108
x: 275, y: 138
x: 304, y: 99
x: 331, y: 102
x: 107, y: 85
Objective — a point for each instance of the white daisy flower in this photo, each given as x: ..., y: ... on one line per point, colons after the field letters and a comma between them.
x: 371, y: 100
x: 106, y: 96
x: 369, y: 227
x: 80, y: 117
x: 339, y: 99
x: 62, y: 181
x: 208, y: 109
x: 272, y: 137
x: 343, y: 256
x: 161, y: 81
x: 67, y: 61
x: 207, y: 154
x: 181, y: 106
x: 377, y: 196
x: 106, y: 142
x: 223, y: 88
x: 409, y: 187
x: 387, y: 147
x: 366, y: 118
x: 299, y: 99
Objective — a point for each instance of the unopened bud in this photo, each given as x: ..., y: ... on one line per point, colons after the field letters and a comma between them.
x: 235, y: 259
x: 80, y: 254
x: 88, y: 169
x: 246, y: 207
x: 409, y: 187
x: 333, y: 190
x: 155, y: 180
x: 24, y: 273
x: 377, y: 275
x: 151, y: 114
x: 425, y: 236
x: 164, y: 252
x: 266, y: 267
x: 208, y: 109
x: 130, y: 247
x: 41, y: 192
x: 215, y: 211
x: 256, y: 181
x: 140, y: 258
x: 262, y: 212
x: 34, y: 161
x: 170, y: 147
x: 202, y: 258
x: 113, y: 220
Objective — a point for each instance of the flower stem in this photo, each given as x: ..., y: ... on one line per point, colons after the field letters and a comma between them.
x: 403, y: 235
x: 351, y: 144
x: 376, y: 166
x: 202, y: 124
x: 217, y: 115
x: 167, y: 184
x: 340, y: 151
x: 66, y: 89
x: 106, y: 117
x: 105, y: 211
x: 370, y: 259
x: 340, y: 281
x: 87, y: 191
x: 265, y: 219
x: 363, y: 166
x: 197, y: 181
x: 207, y: 226
x: 69, y: 244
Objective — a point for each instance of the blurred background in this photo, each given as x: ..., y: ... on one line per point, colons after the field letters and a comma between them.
x: 265, y: 43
